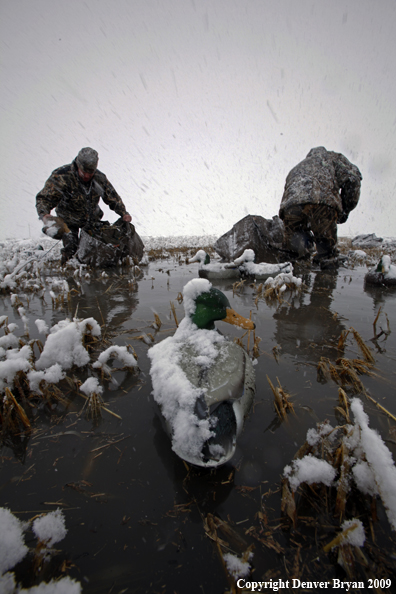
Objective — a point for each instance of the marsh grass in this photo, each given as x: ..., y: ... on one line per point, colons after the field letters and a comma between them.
x: 295, y: 534
x: 282, y: 400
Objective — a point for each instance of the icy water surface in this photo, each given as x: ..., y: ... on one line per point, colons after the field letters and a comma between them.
x: 135, y: 513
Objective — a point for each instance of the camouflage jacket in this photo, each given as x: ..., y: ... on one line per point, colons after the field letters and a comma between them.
x: 77, y: 202
x: 323, y: 177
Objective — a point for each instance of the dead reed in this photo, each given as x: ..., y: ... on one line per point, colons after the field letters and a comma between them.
x: 282, y: 401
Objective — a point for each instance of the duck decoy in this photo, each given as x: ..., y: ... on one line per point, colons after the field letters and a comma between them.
x: 203, y: 383
x: 384, y: 275
x: 213, y: 270
x: 248, y: 267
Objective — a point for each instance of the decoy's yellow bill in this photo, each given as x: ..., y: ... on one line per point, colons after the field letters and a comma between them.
x: 233, y: 317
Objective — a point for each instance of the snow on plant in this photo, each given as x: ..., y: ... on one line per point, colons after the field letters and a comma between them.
x: 49, y: 529
x: 91, y: 386
x: 93, y: 390
x: 283, y: 281
x: 64, y: 344
x: 15, y: 301
x: 12, y: 545
x: 379, y: 460
x: 309, y: 470
x: 51, y: 375
x: 63, y: 349
x: 14, y: 360
x: 352, y: 533
x: 8, y: 282
x: 237, y: 567
x: 366, y: 461
x: 120, y: 352
x: 22, y: 313
x: 9, y: 341
x: 42, y: 327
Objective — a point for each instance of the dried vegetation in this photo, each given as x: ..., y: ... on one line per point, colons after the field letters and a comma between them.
x: 44, y: 277
x: 300, y: 532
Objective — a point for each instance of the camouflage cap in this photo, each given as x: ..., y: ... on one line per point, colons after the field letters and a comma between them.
x: 87, y: 160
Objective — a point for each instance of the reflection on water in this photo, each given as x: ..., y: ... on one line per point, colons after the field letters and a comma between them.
x: 135, y: 513
x: 309, y: 328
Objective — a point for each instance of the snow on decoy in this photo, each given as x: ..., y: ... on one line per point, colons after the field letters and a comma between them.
x: 384, y: 275
x: 203, y: 383
x: 212, y: 270
x: 248, y: 267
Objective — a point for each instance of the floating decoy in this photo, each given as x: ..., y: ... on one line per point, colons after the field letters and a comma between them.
x: 213, y: 270
x: 248, y: 267
x: 384, y: 275
x: 203, y: 383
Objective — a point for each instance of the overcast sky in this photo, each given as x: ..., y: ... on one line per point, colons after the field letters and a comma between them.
x: 198, y: 108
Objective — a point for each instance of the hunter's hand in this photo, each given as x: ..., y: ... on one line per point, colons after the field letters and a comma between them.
x: 127, y: 218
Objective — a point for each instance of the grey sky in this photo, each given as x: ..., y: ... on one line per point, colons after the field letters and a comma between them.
x: 198, y: 108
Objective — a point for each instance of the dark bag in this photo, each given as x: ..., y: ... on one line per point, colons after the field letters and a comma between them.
x: 102, y: 245
x: 264, y: 236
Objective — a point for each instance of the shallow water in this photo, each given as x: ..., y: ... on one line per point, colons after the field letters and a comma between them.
x: 134, y: 512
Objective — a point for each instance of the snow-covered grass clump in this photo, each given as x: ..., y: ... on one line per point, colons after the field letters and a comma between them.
x: 366, y: 461
x: 12, y: 544
x: 49, y: 530
x: 63, y: 348
x: 381, y: 472
x: 119, y: 352
x: 283, y: 281
x: 21, y: 263
x: 35, y: 368
x: 237, y: 567
x: 64, y: 344
x: 309, y: 470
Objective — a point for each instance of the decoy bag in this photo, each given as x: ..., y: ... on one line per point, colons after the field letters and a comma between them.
x: 103, y: 245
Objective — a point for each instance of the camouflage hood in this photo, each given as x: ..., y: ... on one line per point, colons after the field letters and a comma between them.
x: 323, y: 177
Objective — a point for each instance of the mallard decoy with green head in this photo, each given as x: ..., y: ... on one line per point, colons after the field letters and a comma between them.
x: 203, y: 383
x: 384, y: 275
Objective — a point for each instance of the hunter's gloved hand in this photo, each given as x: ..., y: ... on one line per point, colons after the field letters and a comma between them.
x: 54, y: 227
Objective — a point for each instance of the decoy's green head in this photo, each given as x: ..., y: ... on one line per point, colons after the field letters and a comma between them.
x: 212, y: 305
x: 384, y: 264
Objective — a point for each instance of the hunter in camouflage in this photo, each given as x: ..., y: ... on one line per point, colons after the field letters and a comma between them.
x: 74, y: 191
x: 320, y: 192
